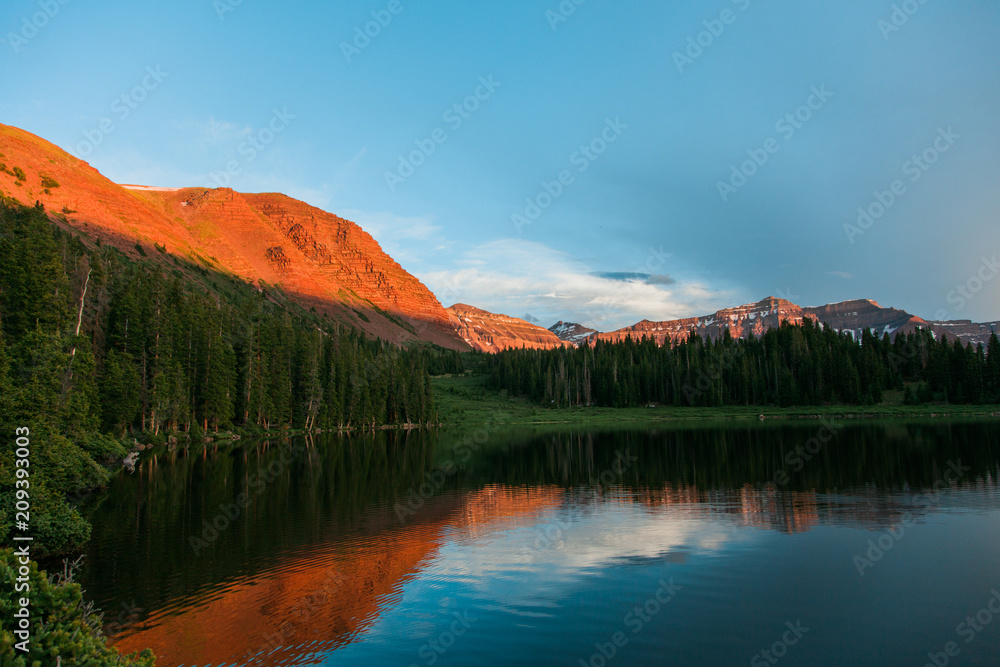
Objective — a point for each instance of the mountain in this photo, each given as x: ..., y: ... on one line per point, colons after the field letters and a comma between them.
x: 271, y: 240
x: 572, y: 332
x: 489, y: 332
x: 754, y: 319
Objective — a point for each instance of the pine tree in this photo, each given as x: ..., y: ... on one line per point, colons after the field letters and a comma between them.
x: 991, y: 375
x: 7, y: 397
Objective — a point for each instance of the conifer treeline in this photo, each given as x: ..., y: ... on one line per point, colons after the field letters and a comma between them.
x: 791, y: 365
x: 98, y: 342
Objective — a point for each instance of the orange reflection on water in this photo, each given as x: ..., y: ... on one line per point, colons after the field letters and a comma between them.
x: 323, y: 598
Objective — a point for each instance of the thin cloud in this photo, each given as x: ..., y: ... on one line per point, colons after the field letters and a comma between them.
x: 415, y: 242
x: 631, y: 276
x: 128, y: 165
x: 215, y: 132
x: 384, y: 225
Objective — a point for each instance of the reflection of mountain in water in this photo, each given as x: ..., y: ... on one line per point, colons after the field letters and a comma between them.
x: 320, y: 553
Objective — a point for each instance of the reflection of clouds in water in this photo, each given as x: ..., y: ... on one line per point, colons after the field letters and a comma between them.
x: 528, y: 563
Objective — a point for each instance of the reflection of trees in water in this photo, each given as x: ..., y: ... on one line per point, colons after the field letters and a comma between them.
x: 868, y: 474
x: 886, y: 457
x: 149, y: 517
x: 328, y: 487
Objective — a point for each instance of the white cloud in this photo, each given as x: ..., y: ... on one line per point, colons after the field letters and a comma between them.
x: 516, y: 276
x: 840, y: 274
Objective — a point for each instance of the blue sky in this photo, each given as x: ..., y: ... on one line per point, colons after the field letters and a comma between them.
x: 610, y: 118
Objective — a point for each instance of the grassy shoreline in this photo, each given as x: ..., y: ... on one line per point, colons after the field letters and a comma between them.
x: 464, y: 400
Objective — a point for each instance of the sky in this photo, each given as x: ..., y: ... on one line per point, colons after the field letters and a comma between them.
x: 582, y: 160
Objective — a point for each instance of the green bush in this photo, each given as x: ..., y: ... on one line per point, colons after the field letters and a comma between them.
x: 62, y: 465
x: 63, y: 629
x: 49, y: 182
x: 103, y: 448
x: 59, y: 469
x: 151, y: 438
x: 196, y: 432
x: 19, y: 174
x: 57, y: 527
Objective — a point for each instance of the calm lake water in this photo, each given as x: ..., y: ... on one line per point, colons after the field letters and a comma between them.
x: 796, y: 544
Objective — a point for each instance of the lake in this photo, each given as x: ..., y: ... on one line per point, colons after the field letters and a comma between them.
x: 800, y: 543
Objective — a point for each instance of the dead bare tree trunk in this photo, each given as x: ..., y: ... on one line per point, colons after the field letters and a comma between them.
x: 79, y: 323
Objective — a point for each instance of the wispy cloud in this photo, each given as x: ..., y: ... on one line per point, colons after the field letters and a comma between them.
x: 840, y: 274
x: 346, y: 172
x: 212, y: 131
x: 415, y: 242
x: 131, y: 166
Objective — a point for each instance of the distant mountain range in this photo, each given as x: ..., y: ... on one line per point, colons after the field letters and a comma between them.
x: 331, y: 264
x: 852, y: 317
x: 490, y: 332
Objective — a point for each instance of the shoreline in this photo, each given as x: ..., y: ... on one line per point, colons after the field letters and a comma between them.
x: 465, y: 401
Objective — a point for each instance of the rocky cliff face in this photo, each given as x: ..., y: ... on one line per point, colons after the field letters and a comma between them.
x: 489, y: 332
x: 314, y: 257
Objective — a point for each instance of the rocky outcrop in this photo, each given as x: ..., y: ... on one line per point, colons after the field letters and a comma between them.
x: 348, y: 256
x: 489, y: 332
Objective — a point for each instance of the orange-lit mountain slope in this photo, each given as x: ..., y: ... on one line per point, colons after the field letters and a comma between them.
x: 315, y: 257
